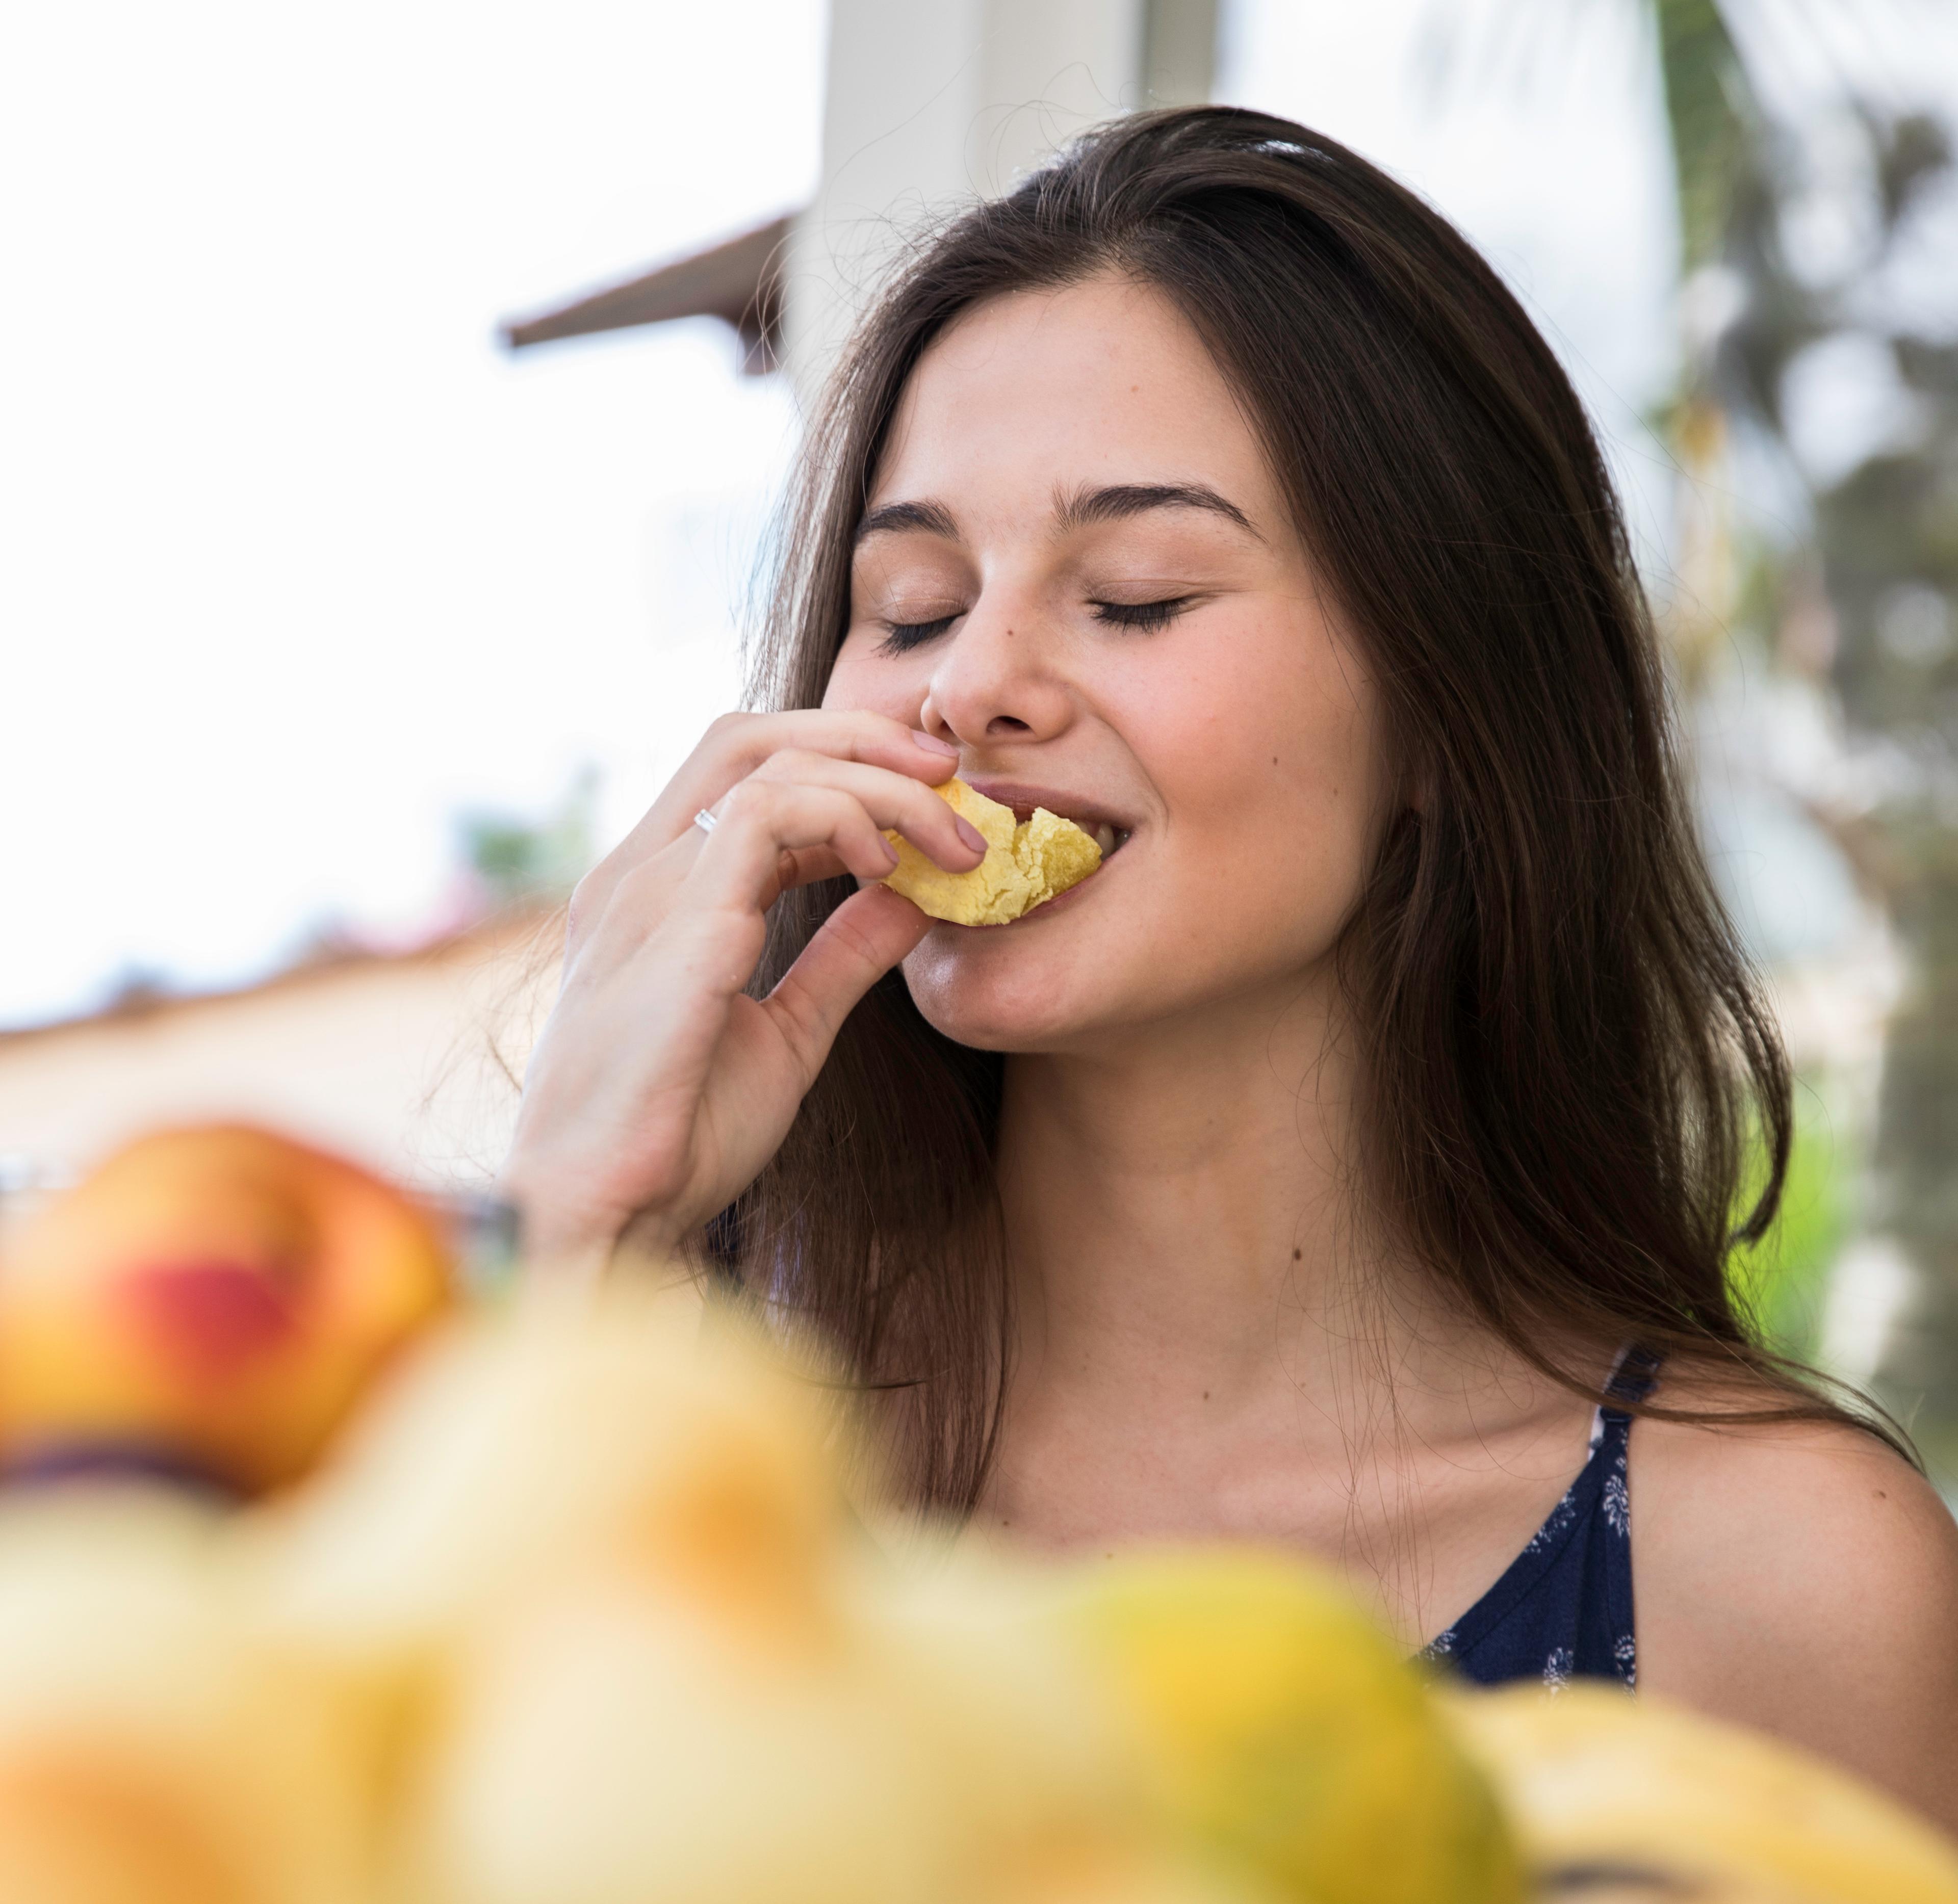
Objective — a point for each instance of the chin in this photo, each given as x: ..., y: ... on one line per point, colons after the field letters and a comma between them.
x: 999, y: 989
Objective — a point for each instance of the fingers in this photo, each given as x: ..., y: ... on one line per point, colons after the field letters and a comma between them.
x: 863, y: 939
x: 906, y: 806
x: 802, y: 816
x: 709, y: 913
x: 806, y: 803
x: 733, y: 748
x: 740, y: 866
x: 737, y: 745
x: 806, y: 869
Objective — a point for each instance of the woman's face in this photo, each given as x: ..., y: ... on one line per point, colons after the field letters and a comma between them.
x: 1076, y: 565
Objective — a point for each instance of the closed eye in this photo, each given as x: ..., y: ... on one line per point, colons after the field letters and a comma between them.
x: 1142, y: 615
x: 900, y: 636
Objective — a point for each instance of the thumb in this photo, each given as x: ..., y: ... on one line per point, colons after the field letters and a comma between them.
x: 858, y: 942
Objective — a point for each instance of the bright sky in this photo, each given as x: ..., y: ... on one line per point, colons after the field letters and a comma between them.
x: 297, y: 564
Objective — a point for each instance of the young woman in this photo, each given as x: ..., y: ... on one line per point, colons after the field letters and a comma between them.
x: 1351, y: 1161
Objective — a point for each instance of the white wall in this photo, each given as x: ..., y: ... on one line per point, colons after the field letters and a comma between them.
x: 396, y: 1061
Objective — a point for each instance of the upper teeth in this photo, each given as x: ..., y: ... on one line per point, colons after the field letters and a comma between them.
x: 1104, y: 838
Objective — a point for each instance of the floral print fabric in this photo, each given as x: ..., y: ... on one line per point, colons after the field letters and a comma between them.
x: 1562, y: 1611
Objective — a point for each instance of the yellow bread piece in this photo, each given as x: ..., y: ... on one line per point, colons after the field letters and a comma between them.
x: 1025, y: 866
x: 1595, y: 1781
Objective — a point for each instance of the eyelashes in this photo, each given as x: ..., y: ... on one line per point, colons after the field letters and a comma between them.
x: 1141, y: 614
x: 900, y: 637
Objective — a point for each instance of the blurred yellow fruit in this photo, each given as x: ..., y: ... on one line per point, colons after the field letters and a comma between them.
x: 602, y: 1445
x: 1288, y: 1738
x: 1106, y: 1871
x: 639, y: 1646
x: 153, y: 1749
x: 1648, y: 1883
x: 606, y: 1745
x: 566, y: 1433
x: 1594, y: 1779
x: 609, y: 1745
x: 1018, y: 1725
x: 219, y: 1296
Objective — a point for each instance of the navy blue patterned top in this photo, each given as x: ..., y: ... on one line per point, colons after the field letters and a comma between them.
x: 1562, y: 1611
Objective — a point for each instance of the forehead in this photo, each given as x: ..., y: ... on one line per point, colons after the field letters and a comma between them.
x: 1040, y: 391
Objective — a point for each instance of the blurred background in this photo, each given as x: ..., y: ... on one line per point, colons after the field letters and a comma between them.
x: 394, y: 399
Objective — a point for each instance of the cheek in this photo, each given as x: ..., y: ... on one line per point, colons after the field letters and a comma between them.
x: 860, y: 682
x: 1271, y: 784
x: 1277, y: 728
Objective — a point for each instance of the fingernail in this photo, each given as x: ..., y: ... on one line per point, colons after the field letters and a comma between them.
x: 933, y: 745
x: 891, y: 854
x: 971, y: 834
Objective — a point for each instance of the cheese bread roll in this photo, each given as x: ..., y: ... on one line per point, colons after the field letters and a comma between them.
x: 1024, y: 865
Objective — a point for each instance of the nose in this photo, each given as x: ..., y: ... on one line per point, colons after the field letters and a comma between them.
x: 997, y: 680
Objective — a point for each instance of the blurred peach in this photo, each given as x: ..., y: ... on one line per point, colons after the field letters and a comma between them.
x: 216, y: 1298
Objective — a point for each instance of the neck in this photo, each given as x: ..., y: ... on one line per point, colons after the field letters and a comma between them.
x: 1214, y: 1338
x: 1188, y: 1246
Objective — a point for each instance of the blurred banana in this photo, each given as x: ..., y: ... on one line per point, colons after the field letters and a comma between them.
x: 1597, y: 1783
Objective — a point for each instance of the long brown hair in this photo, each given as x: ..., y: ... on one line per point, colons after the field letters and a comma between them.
x: 1563, y: 1054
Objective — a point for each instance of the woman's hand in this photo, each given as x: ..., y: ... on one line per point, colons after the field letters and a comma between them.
x: 659, y: 1089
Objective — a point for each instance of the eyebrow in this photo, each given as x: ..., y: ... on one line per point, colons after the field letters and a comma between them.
x: 1113, y: 503
x: 932, y: 518
x: 1123, y: 499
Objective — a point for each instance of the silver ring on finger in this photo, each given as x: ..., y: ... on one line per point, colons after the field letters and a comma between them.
x: 705, y: 820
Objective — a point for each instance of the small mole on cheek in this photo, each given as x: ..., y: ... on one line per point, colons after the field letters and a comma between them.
x: 1297, y: 1256
x: 1275, y: 760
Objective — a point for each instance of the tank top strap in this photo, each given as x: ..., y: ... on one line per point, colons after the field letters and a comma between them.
x: 1563, y: 1608
x: 1630, y: 1380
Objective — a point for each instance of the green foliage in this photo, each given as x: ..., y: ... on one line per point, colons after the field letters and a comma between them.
x: 519, y: 859
x: 1706, y: 97
x: 1780, y: 1282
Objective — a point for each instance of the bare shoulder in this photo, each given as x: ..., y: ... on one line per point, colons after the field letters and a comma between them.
x: 1802, y: 1577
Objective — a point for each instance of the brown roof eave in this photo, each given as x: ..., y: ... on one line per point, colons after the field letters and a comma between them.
x: 739, y: 282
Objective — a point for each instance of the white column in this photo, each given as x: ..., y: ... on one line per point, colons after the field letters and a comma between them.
x: 931, y: 102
